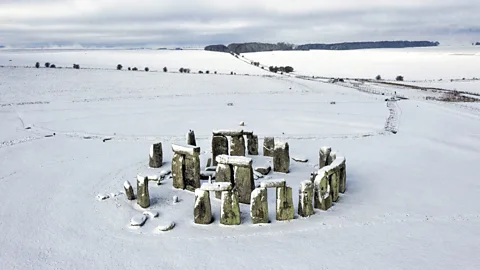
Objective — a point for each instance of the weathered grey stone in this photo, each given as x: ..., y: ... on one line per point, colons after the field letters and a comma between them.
x: 252, y: 145
x: 281, y: 158
x: 237, y: 146
x: 191, y: 138
x: 331, y: 158
x: 324, y: 154
x: 273, y: 183
x: 263, y: 170
x: 230, y: 210
x: 268, y: 146
x: 205, y: 175
x: 259, y: 206
x: 285, y: 208
x: 178, y: 168
x: 343, y: 177
x: 235, y: 160
x: 305, y: 200
x: 143, y: 196
x: 224, y: 173
x: 321, y: 196
x: 312, y: 176
x: 156, y: 156
x: 219, y: 147
x: 202, y: 212
x: 129, y: 191
x: 244, y: 183
x: 192, y: 172
x: 334, y: 181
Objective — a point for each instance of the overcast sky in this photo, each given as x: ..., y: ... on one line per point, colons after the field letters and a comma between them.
x: 202, y: 22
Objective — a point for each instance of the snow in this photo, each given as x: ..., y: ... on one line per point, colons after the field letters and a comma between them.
x: 399, y: 195
x: 273, y: 183
x: 299, y: 158
x: 218, y: 186
x: 127, y: 185
x: 102, y: 197
x: 150, y: 213
x: 166, y: 226
x: 234, y: 160
x: 185, y: 149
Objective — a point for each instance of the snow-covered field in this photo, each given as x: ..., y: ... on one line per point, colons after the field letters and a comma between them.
x: 411, y: 202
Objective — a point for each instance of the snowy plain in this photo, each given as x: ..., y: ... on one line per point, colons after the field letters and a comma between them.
x: 412, y: 197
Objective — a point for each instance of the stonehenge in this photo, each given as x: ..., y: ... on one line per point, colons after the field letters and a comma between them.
x: 281, y: 157
x: 156, y: 156
x: 239, y: 172
x: 284, y: 201
x: 237, y: 147
x: 186, y: 167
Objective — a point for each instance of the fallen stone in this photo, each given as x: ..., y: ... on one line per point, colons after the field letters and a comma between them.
x: 151, y: 214
x: 268, y: 146
x: 259, y: 206
x: 203, y: 210
x: 138, y: 220
x: 300, y: 159
x: 129, y: 191
x: 143, y: 196
x: 305, y: 200
x: 273, y: 183
x: 219, y: 186
x: 102, y: 197
x: 237, y: 146
x: 285, y: 208
x: 166, y: 227
x: 230, y: 209
x: 205, y: 175
x: 156, y: 156
x: 263, y: 170
x: 281, y: 158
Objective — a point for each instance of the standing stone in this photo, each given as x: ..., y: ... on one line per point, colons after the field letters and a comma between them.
x: 244, y: 183
x: 129, y: 191
x: 259, y: 206
x: 312, y: 176
x: 156, y: 155
x: 142, y: 192
x: 237, y: 146
x: 324, y: 154
x: 230, y: 210
x: 202, y: 212
x: 343, y: 177
x: 305, y: 200
x: 334, y: 181
x: 224, y: 173
x: 268, y: 146
x: 322, y: 199
x: 192, y: 172
x: 219, y: 147
x: 281, y: 158
x: 252, y: 145
x: 331, y: 158
x: 285, y: 208
x: 191, y: 138
x: 178, y: 168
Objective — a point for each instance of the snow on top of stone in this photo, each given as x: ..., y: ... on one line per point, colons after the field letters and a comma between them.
x: 140, y: 179
x: 337, y: 162
x: 234, y: 160
x: 186, y: 149
x: 273, y: 183
x: 151, y: 151
x: 228, y: 132
x: 153, y: 178
x: 200, y: 192
x: 138, y: 220
x: 218, y: 186
x: 306, y: 184
x: 256, y: 192
x: 325, y: 149
x: 281, y: 145
x: 127, y: 185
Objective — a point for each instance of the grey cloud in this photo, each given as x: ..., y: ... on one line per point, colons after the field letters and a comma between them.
x: 199, y: 24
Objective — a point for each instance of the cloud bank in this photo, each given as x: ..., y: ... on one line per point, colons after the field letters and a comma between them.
x: 198, y: 23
